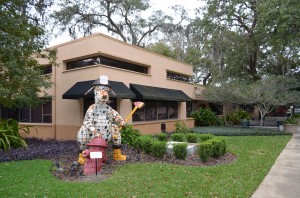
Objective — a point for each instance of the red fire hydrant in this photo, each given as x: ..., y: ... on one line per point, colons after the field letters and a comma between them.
x: 95, y: 156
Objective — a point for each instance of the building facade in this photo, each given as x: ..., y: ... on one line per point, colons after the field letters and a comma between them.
x: 135, y: 74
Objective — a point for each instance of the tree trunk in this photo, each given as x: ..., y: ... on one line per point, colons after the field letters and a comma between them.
x: 262, y: 115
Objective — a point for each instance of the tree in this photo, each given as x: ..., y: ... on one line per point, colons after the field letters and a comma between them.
x: 264, y: 94
x: 21, y: 41
x: 123, y: 18
x: 249, y: 39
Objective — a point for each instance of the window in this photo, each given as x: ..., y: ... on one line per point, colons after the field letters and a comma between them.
x: 189, y: 109
x: 106, y: 61
x: 47, y: 69
x: 218, y: 109
x: 156, y: 110
x: 179, y: 77
x: 38, y: 114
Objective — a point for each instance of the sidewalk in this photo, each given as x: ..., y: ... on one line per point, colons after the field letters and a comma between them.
x: 283, y: 180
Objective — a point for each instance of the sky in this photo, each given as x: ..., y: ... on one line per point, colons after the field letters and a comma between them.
x: 163, y: 5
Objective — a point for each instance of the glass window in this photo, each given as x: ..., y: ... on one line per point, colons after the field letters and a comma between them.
x: 162, y: 107
x: 106, y: 61
x: 189, y: 108
x: 39, y: 114
x: 172, y: 110
x: 47, y: 69
x: 156, y: 110
x: 24, y: 114
x: 176, y: 76
x: 150, y: 110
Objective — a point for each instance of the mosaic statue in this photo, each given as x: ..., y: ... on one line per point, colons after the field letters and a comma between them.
x: 101, y: 121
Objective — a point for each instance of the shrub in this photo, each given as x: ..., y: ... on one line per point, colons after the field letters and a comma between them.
x: 162, y: 137
x: 205, y: 137
x: 219, y: 147
x: 205, y: 117
x: 129, y: 135
x: 180, y: 127
x: 10, y: 136
x: 144, y: 143
x: 180, y: 150
x: 158, y: 148
x: 178, y: 137
x: 290, y: 121
x: 236, y: 117
x: 192, y: 138
x: 205, y: 151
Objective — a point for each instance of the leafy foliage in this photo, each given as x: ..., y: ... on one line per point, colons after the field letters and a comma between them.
x: 204, y: 137
x: 180, y: 150
x: 219, y: 147
x: 264, y: 94
x: 10, y: 136
x: 236, y: 117
x: 129, y: 135
x: 180, y: 127
x: 205, y: 151
x: 205, y: 117
x: 162, y: 137
x: 144, y: 143
x: 192, y: 138
x: 21, y: 41
x: 178, y: 137
x: 158, y: 148
x: 122, y: 18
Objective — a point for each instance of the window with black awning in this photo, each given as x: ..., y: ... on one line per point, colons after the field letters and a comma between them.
x: 157, y: 93
x: 79, y: 89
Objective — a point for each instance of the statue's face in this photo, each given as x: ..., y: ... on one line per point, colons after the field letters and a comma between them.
x: 101, y: 94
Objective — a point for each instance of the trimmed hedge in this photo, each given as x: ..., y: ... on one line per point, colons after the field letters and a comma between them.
x: 192, y: 138
x: 180, y: 150
x: 144, y: 143
x: 158, y: 148
x: 162, y: 137
x: 205, y: 137
x: 205, y: 151
x: 219, y: 147
x: 178, y: 137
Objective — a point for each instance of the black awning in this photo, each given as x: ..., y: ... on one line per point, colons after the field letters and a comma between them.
x: 119, y: 90
x: 157, y: 93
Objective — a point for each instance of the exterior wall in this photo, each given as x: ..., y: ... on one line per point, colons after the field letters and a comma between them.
x: 67, y: 114
x: 155, y: 127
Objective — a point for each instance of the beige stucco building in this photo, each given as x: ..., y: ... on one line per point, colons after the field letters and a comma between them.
x: 135, y: 75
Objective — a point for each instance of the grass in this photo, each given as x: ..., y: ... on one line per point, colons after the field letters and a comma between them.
x: 238, y: 131
x: 255, y: 156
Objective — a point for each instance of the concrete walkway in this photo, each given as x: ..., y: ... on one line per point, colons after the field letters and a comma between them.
x: 283, y: 180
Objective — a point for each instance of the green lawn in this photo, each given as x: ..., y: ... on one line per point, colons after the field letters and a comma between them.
x: 255, y: 156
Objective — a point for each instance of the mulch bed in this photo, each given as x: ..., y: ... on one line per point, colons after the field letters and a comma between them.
x: 70, y: 173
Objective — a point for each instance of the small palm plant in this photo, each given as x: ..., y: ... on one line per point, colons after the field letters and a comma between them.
x: 10, y: 136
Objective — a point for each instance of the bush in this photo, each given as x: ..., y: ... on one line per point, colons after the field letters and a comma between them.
x: 144, y: 143
x: 180, y: 150
x: 192, y: 138
x: 219, y: 147
x: 162, y: 137
x: 158, y: 148
x: 205, y: 151
x: 205, y: 117
x: 205, y: 137
x: 178, y: 137
x: 180, y: 127
x: 129, y: 135
x: 236, y: 117
x: 10, y: 136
